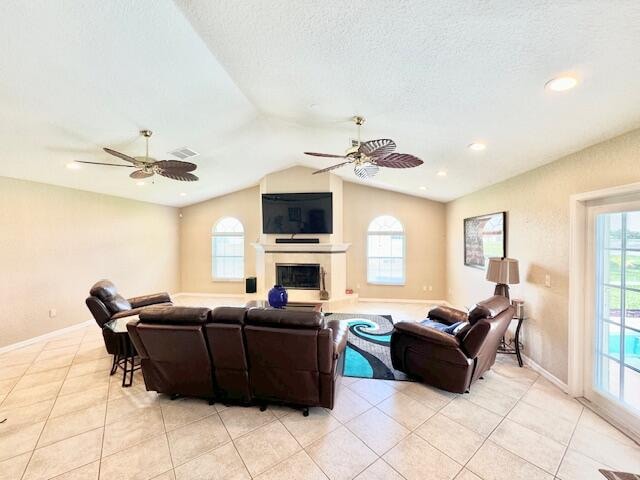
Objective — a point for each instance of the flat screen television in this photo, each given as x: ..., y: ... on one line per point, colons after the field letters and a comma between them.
x: 297, y: 212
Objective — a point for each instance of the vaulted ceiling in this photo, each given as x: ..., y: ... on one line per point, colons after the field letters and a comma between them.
x: 250, y: 85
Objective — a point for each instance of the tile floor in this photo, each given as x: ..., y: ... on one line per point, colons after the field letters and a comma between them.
x: 67, y: 419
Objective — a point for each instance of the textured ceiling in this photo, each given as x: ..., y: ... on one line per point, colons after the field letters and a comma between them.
x: 235, y: 81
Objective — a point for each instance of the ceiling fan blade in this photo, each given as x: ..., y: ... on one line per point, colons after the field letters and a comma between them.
x: 377, y: 148
x: 141, y: 174
x: 333, y: 167
x: 329, y: 155
x: 176, y: 165
x: 182, y: 176
x: 124, y: 157
x: 399, y: 160
x: 109, y: 164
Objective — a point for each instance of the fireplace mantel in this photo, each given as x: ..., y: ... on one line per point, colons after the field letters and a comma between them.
x: 301, y: 247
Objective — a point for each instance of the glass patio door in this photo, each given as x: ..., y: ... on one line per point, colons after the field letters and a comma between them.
x: 615, y: 366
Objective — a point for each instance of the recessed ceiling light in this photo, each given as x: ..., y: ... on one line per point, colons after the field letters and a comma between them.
x: 183, y: 194
x: 73, y: 166
x: 423, y: 188
x: 477, y: 146
x: 561, y: 84
x: 442, y: 173
x: 140, y: 184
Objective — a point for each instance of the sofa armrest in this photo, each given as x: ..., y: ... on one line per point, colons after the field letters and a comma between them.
x: 428, y: 334
x: 340, y: 329
x: 447, y: 315
x: 146, y: 300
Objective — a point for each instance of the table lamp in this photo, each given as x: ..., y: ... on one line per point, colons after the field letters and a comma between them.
x: 503, y: 271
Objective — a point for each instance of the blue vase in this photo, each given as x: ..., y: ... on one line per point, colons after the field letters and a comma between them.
x: 278, y: 296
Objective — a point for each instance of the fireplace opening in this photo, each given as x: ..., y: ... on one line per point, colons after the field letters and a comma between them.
x: 301, y: 276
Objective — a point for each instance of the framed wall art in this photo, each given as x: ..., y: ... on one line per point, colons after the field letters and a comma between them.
x: 484, y: 237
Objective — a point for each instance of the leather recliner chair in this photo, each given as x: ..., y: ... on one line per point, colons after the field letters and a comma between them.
x: 105, y: 304
x: 173, y: 350
x: 452, y: 361
x: 293, y: 357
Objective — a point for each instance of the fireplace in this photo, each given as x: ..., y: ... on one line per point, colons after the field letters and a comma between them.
x: 299, y: 276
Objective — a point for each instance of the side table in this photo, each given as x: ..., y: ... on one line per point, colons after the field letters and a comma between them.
x: 513, y: 347
x: 125, y: 358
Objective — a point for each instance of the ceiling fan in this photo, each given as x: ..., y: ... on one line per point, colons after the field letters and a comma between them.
x: 147, y: 166
x: 368, y: 156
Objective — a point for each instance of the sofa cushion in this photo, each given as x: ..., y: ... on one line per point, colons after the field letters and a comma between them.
x: 276, y: 317
x: 229, y: 315
x: 175, y: 315
x: 447, y: 315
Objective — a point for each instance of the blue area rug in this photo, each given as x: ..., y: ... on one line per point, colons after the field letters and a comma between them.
x: 368, y: 354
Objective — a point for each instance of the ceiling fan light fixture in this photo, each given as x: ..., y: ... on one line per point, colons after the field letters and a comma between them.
x: 140, y: 184
x: 73, y: 166
x: 183, y: 194
x: 442, y: 173
x: 422, y: 187
x: 366, y: 170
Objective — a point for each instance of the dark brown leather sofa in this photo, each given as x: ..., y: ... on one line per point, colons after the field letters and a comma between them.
x: 452, y: 361
x: 105, y: 304
x: 252, y: 355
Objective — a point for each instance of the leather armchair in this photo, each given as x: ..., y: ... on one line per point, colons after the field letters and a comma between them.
x: 105, y: 304
x: 452, y: 361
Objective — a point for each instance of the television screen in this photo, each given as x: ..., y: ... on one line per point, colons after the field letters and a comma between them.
x: 297, y: 212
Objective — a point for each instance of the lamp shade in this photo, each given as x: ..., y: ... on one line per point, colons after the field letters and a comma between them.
x: 503, y: 270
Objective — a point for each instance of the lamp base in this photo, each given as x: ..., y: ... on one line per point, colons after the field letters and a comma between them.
x: 502, y: 289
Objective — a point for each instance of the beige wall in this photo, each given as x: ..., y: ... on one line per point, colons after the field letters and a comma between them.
x: 56, y: 242
x: 423, y: 219
x: 195, y: 239
x: 537, y: 203
x: 424, y: 223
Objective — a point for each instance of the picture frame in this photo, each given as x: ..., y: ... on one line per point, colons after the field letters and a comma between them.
x: 485, y: 236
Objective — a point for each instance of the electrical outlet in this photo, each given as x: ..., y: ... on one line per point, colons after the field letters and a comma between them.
x: 547, y: 280
x: 52, y: 313
x: 424, y: 288
x: 431, y: 288
x: 357, y: 286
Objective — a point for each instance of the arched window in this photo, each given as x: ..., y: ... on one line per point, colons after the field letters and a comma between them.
x: 385, y: 251
x: 227, y: 250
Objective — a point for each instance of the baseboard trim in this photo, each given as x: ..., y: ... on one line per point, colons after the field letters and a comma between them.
x: 402, y: 300
x: 46, y: 336
x: 546, y: 374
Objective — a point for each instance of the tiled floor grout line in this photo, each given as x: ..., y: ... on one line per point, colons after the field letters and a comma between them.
x: 104, y: 427
x: 164, y: 429
x: 302, y: 448
x: 496, y: 427
x: 566, y: 448
x: 35, y: 447
x: 235, y: 447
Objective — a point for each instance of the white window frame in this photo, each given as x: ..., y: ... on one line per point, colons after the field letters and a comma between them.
x: 370, y: 232
x: 214, y: 234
